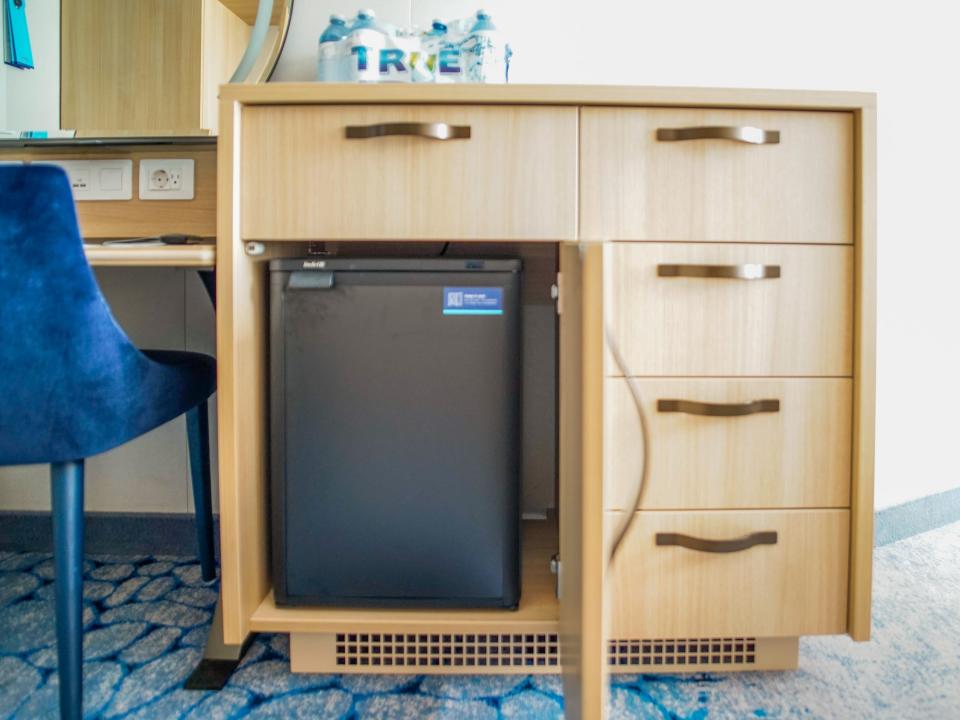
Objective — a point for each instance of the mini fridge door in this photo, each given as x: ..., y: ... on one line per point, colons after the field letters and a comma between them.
x: 396, y: 432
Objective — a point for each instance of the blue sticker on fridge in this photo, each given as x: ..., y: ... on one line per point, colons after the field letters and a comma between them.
x: 473, y: 301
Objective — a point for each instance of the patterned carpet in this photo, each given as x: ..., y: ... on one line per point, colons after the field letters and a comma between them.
x: 147, y: 619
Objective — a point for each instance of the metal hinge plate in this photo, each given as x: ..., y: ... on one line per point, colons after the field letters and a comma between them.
x: 556, y: 567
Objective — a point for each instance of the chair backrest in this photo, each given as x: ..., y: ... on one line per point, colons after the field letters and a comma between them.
x: 60, y: 347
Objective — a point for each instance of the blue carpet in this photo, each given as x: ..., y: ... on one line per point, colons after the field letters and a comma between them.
x: 147, y: 619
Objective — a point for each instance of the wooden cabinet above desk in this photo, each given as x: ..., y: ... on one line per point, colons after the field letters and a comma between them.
x: 716, y: 301
x: 149, y: 66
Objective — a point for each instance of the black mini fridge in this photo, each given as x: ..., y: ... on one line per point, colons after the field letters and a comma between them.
x: 395, y: 432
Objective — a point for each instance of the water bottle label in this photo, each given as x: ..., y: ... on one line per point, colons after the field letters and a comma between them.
x: 458, y: 54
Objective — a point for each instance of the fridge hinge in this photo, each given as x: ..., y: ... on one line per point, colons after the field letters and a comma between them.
x: 557, y: 569
x: 556, y: 292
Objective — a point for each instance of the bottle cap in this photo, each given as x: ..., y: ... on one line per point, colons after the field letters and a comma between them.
x: 338, y: 19
x: 366, y: 13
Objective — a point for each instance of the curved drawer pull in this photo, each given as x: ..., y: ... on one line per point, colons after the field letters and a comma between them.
x: 691, y: 407
x: 768, y: 537
x: 433, y: 131
x: 746, y: 271
x: 737, y: 133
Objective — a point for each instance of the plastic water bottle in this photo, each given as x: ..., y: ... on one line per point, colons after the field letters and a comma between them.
x: 403, y: 60
x: 437, y: 29
x: 336, y: 30
x: 329, y: 67
x: 434, y: 40
x: 365, y: 41
x: 485, y: 54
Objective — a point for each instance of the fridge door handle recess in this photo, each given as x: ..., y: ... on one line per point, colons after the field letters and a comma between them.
x: 310, y: 280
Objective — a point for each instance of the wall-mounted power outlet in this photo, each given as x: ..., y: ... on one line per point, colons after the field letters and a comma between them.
x: 166, y: 179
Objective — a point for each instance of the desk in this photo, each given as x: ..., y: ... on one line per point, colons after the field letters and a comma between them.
x: 716, y: 250
x: 199, y: 257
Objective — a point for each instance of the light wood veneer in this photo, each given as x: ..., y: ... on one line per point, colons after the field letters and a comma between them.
x: 636, y: 187
x: 149, y: 65
x: 796, y: 457
x: 796, y: 587
x: 800, y: 324
x: 514, y: 179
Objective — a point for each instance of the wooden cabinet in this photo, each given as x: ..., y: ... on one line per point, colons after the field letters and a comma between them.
x: 771, y: 574
x: 718, y: 309
x: 148, y: 67
x: 503, y: 173
x: 728, y: 442
x: 723, y: 291
x: 688, y: 174
x: 731, y: 367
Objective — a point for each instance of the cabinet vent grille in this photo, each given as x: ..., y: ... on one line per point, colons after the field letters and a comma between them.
x: 682, y: 653
x: 429, y: 650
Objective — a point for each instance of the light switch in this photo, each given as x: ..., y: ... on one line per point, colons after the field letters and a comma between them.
x: 111, y: 179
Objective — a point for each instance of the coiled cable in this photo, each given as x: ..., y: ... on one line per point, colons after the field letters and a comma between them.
x: 625, y: 524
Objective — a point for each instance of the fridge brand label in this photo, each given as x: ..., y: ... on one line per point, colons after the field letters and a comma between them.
x: 472, y: 301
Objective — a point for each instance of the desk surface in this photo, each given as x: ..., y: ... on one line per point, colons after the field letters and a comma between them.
x: 191, y: 256
x: 285, y: 93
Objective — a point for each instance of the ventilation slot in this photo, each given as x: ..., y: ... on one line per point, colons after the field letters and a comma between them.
x: 682, y: 653
x: 513, y: 650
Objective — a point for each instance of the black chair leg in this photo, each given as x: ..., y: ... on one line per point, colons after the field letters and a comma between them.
x: 66, y: 481
x: 198, y: 437
x: 209, y: 280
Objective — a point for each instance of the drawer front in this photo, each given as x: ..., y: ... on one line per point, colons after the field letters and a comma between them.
x: 797, y: 586
x: 514, y: 178
x: 636, y: 187
x: 796, y: 324
x: 727, y: 443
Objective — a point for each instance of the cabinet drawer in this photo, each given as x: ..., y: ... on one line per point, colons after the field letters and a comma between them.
x: 513, y: 178
x: 638, y: 187
x: 797, y: 586
x: 668, y: 319
x: 728, y: 443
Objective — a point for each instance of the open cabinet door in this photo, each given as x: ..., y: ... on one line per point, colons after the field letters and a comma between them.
x: 582, y: 617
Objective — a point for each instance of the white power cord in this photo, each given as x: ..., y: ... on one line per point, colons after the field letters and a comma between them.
x: 635, y: 395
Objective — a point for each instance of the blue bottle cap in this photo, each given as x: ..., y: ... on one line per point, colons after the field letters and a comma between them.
x: 483, y: 22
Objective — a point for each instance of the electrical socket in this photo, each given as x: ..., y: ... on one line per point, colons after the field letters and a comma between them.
x: 166, y: 179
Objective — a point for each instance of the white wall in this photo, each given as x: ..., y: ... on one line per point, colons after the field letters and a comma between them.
x: 30, y: 99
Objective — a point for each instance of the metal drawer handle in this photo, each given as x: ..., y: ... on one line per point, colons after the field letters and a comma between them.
x: 433, y: 131
x: 737, y: 133
x: 747, y: 271
x: 768, y: 537
x: 691, y: 407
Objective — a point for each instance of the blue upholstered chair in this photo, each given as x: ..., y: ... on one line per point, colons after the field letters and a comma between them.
x: 72, y: 385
